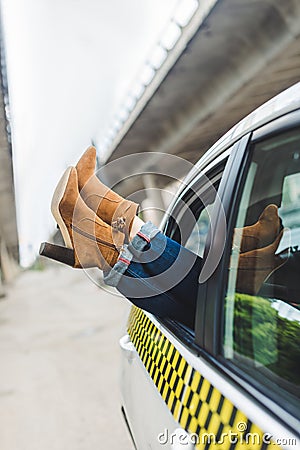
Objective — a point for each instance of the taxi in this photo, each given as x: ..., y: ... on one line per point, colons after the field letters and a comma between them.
x: 232, y: 382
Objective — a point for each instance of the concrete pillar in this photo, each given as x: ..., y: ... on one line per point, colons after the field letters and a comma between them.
x: 2, y: 291
x: 153, y: 206
x: 9, y: 268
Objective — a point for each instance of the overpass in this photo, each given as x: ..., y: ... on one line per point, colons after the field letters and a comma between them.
x: 231, y: 57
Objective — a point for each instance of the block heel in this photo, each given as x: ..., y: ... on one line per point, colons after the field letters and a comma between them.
x: 58, y: 253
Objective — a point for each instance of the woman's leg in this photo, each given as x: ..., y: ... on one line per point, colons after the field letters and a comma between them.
x: 158, y: 275
x: 154, y: 264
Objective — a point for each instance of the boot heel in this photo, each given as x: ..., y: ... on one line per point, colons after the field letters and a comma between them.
x: 62, y: 254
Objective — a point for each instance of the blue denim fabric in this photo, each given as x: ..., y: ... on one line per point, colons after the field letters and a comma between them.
x: 161, y: 278
x: 132, y: 251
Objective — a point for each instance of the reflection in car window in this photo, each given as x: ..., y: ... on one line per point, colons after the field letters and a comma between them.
x: 262, y: 317
x: 201, y: 204
x: 188, y: 222
x: 197, y: 238
x: 289, y: 209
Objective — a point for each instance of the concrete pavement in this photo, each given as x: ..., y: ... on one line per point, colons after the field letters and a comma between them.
x: 59, y: 353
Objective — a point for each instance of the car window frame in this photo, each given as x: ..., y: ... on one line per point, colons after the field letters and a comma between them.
x: 211, y: 171
x: 216, y: 287
x: 206, y: 313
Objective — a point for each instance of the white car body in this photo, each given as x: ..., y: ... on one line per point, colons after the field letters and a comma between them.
x: 149, y: 409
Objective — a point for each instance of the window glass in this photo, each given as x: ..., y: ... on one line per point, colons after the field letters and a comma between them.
x: 197, y: 238
x: 262, y: 317
x: 188, y: 224
x: 191, y: 218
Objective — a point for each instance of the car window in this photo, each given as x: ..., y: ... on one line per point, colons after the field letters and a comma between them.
x: 188, y: 224
x: 189, y: 221
x: 261, y: 314
x: 197, y: 238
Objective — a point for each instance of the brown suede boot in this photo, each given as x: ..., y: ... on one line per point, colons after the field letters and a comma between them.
x: 109, y: 206
x: 262, y: 233
x: 92, y: 242
x: 255, y: 266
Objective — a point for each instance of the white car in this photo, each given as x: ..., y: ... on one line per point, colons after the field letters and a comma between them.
x: 233, y: 381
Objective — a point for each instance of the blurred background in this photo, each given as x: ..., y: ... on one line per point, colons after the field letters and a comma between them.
x: 132, y: 78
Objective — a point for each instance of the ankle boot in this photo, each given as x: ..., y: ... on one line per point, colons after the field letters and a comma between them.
x: 90, y: 242
x: 262, y: 233
x: 255, y: 266
x: 109, y: 206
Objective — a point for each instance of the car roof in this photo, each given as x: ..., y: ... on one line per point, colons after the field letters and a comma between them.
x: 283, y: 103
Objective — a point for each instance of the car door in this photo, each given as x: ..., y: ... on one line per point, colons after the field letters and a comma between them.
x: 155, y: 353
x: 233, y: 381
x: 252, y: 321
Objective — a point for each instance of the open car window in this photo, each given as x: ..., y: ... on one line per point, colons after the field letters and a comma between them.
x: 261, y: 311
x: 189, y: 225
x: 190, y: 218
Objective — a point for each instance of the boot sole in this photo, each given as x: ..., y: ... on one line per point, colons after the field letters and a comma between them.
x: 56, y: 199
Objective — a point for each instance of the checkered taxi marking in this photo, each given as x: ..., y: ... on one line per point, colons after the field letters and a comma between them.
x: 195, y: 403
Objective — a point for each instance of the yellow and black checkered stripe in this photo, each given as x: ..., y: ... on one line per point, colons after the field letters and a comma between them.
x: 195, y: 403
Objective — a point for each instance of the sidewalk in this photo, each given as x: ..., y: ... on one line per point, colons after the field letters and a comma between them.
x: 59, y: 353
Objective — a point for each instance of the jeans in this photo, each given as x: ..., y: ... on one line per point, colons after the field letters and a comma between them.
x: 158, y: 275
